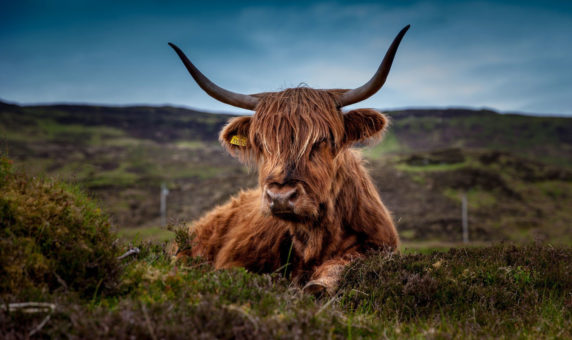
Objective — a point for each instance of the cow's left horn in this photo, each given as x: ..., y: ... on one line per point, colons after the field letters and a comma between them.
x: 376, y: 82
x: 232, y: 98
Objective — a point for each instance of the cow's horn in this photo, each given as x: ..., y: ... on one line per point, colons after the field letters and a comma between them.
x: 232, y: 98
x: 378, y: 79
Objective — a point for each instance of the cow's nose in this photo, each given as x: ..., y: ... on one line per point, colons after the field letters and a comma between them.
x: 281, y: 200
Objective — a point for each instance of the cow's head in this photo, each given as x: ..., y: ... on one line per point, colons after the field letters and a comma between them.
x: 295, y: 137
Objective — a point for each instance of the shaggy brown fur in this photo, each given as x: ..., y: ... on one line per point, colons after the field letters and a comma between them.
x: 300, y: 140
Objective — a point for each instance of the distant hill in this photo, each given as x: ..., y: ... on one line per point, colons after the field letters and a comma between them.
x: 515, y: 168
x: 547, y: 139
x: 160, y: 124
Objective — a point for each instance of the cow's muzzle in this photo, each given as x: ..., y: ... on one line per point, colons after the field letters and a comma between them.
x: 281, y: 200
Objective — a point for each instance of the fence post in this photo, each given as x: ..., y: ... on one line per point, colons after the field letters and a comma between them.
x: 164, y: 193
x: 465, y: 216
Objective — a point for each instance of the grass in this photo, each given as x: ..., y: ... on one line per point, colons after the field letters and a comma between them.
x: 73, y: 133
x: 539, y: 138
x: 121, y: 177
x: 429, y: 246
x: 115, y: 151
x: 53, y: 233
x: 146, y: 234
x: 191, y: 145
x: 431, y: 167
x: 476, y: 198
x: 509, y: 197
x: 499, y: 291
x: 57, y: 248
x: 556, y: 189
x: 48, y: 129
x: 389, y: 144
x: 156, y: 234
x: 201, y: 171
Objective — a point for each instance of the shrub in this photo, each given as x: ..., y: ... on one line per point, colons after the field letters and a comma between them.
x: 52, y: 237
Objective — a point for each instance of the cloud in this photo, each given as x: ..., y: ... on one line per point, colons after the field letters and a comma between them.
x: 507, y: 55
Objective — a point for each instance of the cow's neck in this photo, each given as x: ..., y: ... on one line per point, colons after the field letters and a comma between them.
x: 366, y: 223
x: 318, y: 239
x: 312, y: 239
x: 353, y: 187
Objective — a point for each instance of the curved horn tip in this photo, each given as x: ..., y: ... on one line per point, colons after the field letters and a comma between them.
x: 404, y: 30
x: 376, y: 82
x: 173, y: 46
x: 228, y: 97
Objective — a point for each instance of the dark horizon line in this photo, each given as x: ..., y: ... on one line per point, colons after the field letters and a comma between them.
x: 234, y: 113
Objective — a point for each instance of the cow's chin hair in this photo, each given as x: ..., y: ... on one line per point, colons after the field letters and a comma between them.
x: 305, y: 211
x: 290, y: 217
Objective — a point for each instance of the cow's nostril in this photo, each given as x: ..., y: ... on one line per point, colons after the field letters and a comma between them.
x: 293, y: 196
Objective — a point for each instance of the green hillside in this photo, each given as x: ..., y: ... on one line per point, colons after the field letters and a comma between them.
x: 514, y: 169
x: 62, y: 276
x: 545, y: 139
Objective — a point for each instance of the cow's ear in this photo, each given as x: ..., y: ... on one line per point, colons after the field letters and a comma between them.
x: 364, y: 126
x: 234, y: 137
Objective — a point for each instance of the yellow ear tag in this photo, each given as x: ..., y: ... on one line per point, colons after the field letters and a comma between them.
x: 239, y: 140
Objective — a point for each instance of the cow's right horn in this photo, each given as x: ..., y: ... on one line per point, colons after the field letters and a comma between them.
x: 232, y: 98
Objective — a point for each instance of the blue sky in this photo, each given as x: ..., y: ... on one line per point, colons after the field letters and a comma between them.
x: 513, y: 56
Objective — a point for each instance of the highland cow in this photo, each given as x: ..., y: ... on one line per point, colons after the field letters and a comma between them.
x: 316, y: 208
